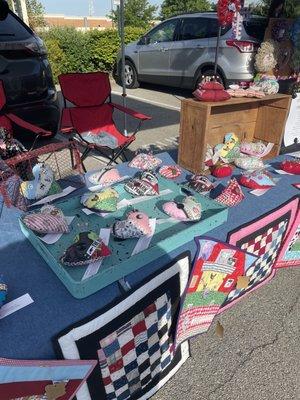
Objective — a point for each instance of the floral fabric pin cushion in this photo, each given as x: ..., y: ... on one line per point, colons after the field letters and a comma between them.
x: 86, y: 249
x: 42, y: 185
x: 200, y: 183
x: 187, y: 210
x: 104, y: 201
x: 230, y: 149
x: 145, y: 161
x: 145, y: 185
x: 258, y: 149
x: 134, y: 226
x: 231, y: 195
x: 291, y: 166
x: 105, y: 177
x: 257, y: 180
x: 170, y: 171
x: 249, y: 163
x: 49, y: 220
x: 3, y: 291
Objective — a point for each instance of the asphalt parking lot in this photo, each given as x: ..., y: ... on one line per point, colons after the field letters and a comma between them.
x: 259, y: 356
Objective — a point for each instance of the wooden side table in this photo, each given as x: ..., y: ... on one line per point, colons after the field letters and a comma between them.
x: 204, y: 123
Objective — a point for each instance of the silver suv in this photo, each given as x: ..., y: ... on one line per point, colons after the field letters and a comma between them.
x: 180, y: 50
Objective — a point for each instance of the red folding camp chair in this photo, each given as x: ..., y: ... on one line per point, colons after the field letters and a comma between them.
x: 91, y: 117
x: 8, y: 119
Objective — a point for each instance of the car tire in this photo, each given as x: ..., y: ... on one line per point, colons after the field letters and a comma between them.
x: 210, y: 72
x: 131, y: 77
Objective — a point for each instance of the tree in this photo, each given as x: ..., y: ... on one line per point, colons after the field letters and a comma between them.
x: 174, y: 7
x: 260, y: 8
x: 137, y: 13
x: 276, y: 8
x: 35, y: 11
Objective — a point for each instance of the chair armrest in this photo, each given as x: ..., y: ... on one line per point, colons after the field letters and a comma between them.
x: 131, y: 112
x: 28, y: 125
x: 67, y: 130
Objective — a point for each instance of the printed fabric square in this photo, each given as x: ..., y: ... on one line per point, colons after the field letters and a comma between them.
x: 263, y: 237
x: 145, y: 161
x: 232, y: 195
x: 132, y: 339
x: 216, y: 270
x: 290, y: 253
x: 34, y: 380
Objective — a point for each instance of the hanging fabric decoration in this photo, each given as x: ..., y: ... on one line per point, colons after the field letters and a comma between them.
x: 237, y: 25
x: 226, y: 11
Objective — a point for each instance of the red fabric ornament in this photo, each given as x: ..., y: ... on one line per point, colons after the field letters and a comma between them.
x: 221, y: 171
x: 211, y: 85
x: 226, y: 10
x: 252, y: 181
x: 291, y: 166
x: 211, y: 95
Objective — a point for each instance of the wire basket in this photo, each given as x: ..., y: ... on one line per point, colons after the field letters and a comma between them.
x: 62, y: 158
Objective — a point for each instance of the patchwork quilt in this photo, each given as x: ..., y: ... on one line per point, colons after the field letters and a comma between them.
x: 263, y: 237
x: 216, y: 270
x: 132, y: 339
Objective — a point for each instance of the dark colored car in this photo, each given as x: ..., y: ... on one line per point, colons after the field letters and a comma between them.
x: 26, y: 74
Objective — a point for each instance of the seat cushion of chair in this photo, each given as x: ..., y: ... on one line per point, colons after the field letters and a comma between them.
x: 97, y: 126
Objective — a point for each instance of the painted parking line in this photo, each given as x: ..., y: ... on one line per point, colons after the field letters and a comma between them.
x: 171, y: 142
x: 173, y: 139
x: 155, y: 103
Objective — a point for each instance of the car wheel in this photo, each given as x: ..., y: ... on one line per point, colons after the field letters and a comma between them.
x: 211, y: 73
x: 131, y: 78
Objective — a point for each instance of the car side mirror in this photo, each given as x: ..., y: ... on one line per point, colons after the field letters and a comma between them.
x: 144, y: 40
x: 4, y: 10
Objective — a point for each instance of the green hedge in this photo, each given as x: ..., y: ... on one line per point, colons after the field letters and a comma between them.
x: 76, y: 51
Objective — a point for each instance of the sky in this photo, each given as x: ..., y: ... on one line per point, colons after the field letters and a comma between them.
x: 81, y: 7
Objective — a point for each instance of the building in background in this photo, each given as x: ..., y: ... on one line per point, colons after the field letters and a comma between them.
x: 80, y: 23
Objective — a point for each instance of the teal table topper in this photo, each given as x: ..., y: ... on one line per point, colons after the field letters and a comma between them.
x: 168, y: 236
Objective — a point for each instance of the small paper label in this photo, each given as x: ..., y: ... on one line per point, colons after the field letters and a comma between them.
x: 259, y: 192
x: 52, y: 197
x: 242, y: 282
x: 53, y: 392
x: 15, y: 305
x: 281, y: 172
x: 103, y: 186
x: 161, y: 221
x: 144, y: 241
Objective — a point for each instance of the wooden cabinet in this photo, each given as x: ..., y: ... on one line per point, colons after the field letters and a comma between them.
x: 204, y: 123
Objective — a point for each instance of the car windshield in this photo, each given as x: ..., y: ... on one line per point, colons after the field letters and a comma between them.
x: 12, y: 29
